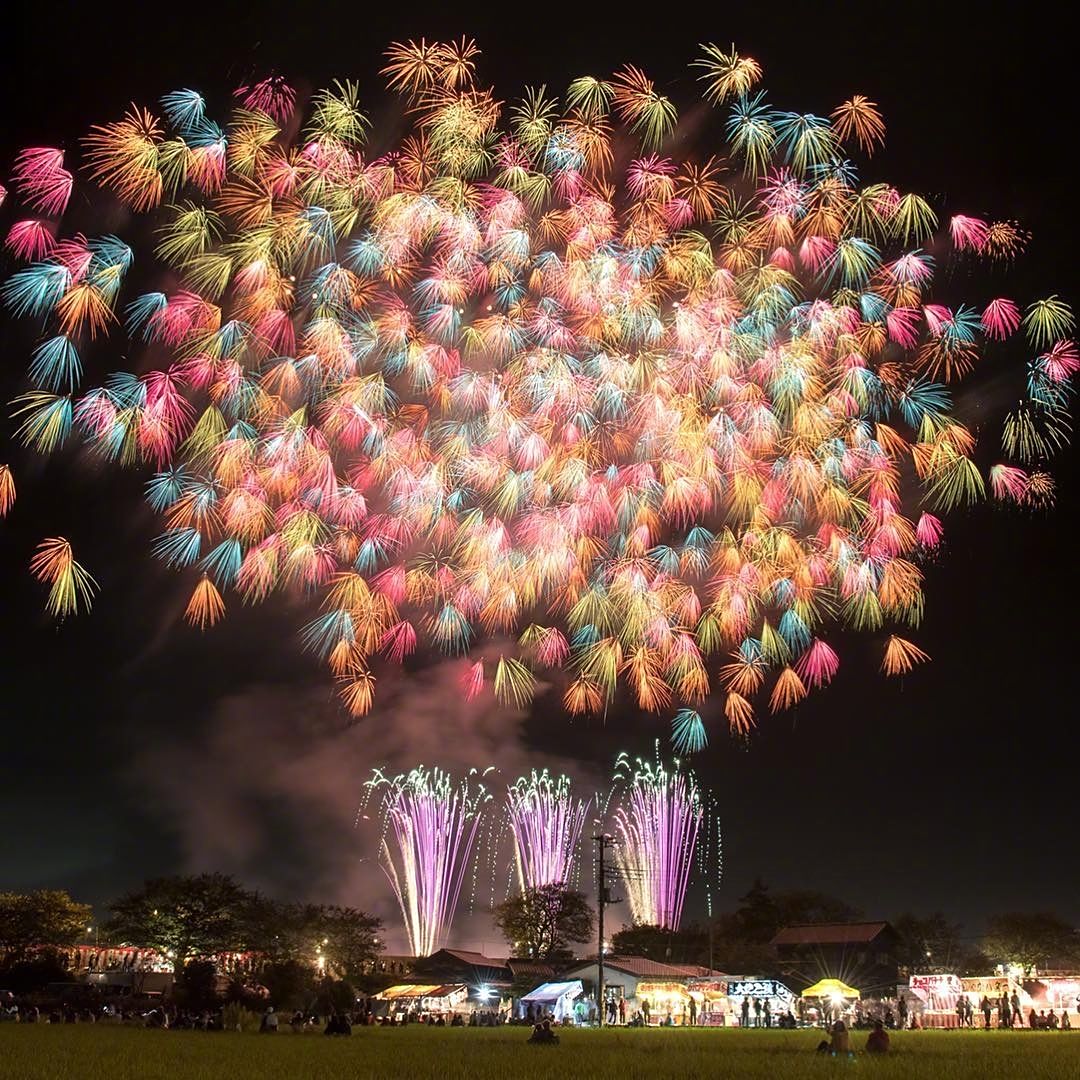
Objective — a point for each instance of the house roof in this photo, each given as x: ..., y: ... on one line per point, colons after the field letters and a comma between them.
x: 642, y: 966
x: 419, y: 990
x: 474, y: 958
x: 829, y: 934
x: 529, y: 967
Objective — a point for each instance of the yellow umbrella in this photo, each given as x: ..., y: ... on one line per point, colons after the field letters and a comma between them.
x: 830, y: 988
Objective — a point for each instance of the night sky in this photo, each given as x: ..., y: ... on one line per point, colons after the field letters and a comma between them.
x: 135, y: 746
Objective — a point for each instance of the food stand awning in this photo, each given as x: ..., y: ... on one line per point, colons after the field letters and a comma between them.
x: 414, y: 990
x: 830, y: 988
x: 549, y: 993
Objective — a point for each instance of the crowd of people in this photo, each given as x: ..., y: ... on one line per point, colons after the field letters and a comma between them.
x: 763, y: 1015
x: 156, y: 1016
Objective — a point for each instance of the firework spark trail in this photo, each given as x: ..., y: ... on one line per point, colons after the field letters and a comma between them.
x: 432, y: 824
x: 668, y: 430
x: 657, y: 824
x: 546, y: 822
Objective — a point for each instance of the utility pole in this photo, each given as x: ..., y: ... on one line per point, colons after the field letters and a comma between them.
x: 603, y: 898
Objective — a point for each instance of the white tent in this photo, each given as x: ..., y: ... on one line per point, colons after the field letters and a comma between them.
x: 554, y: 997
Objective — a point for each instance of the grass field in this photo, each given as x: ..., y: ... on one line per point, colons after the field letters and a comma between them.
x: 75, y: 1052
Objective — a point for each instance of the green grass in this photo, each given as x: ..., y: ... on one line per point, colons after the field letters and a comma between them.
x: 75, y: 1052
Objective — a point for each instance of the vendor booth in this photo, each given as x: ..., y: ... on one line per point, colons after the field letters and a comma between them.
x: 554, y: 999
x: 711, y: 998
x: 417, y: 1001
x: 778, y: 996
x: 668, y: 1003
x: 829, y: 1000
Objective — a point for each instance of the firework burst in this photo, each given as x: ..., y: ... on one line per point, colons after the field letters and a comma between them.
x: 668, y: 430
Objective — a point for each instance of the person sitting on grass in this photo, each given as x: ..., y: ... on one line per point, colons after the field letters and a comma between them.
x: 839, y: 1045
x: 542, y: 1033
x: 877, y: 1042
x: 338, y: 1024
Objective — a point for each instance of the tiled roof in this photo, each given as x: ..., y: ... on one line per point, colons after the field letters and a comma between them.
x: 829, y: 934
x: 642, y: 966
x: 529, y: 967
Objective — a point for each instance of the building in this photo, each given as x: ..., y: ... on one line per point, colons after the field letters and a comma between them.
x: 668, y: 988
x: 861, y: 954
x: 488, y: 978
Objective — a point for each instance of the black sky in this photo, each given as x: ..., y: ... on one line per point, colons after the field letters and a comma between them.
x: 134, y: 746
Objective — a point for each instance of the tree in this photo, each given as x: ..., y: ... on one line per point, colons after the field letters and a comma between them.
x: 689, y: 945
x: 187, y: 918
x: 928, y: 945
x: 762, y: 913
x: 44, y: 917
x: 1031, y: 940
x: 290, y: 984
x: 541, y: 923
x: 196, y: 985
x: 35, y: 971
x: 331, y: 938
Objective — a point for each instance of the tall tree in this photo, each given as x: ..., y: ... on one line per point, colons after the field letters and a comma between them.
x: 688, y: 945
x: 338, y: 939
x: 929, y: 945
x: 1032, y: 940
x: 44, y: 917
x: 541, y: 923
x: 762, y: 912
x: 187, y: 918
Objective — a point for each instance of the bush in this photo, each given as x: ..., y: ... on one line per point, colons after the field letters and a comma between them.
x: 196, y: 985
x: 234, y: 1017
x: 26, y: 976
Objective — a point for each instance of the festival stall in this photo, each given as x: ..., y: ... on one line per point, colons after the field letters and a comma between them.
x: 779, y: 997
x: 711, y: 997
x: 417, y: 1000
x: 1045, y: 992
x: 555, y: 999
x: 668, y: 1002
x: 938, y: 996
x: 830, y: 1000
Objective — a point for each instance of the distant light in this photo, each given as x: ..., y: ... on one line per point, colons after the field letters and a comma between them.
x: 485, y: 993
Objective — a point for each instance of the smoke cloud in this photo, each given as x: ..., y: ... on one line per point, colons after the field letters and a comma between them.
x: 270, y: 786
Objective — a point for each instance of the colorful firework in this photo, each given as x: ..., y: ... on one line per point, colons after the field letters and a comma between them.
x: 54, y: 563
x: 546, y: 822
x: 429, y: 826
x: 657, y: 823
x: 669, y: 430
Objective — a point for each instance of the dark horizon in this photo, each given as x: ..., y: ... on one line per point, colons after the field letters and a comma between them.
x: 137, y: 747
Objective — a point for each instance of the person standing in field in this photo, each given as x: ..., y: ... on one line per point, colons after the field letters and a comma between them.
x: 745, y: 1012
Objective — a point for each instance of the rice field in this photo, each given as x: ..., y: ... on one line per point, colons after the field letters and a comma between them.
x: 75, y: 1052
